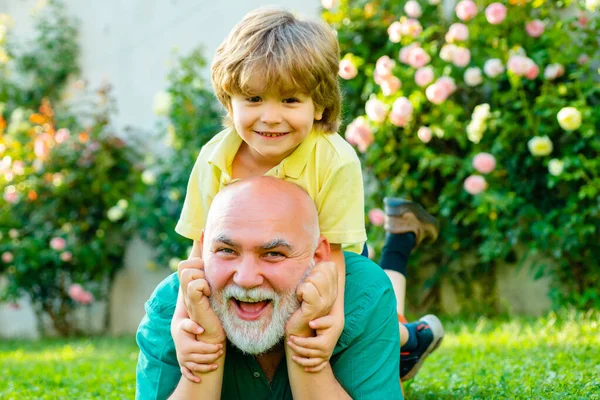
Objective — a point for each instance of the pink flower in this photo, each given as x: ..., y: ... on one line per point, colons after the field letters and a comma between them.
x: 461, y: 57
x: 466, y: 10
x: 418, y: 58
x: 493, y: 67
x: 447, y: 52
x: 535, y: 28
x: 40, y: 147
x: 395, y: 32
x: 66, y: 256
x: 484, y: 163
x: 519, y: 65
x: 495, y: 13
x: 424, y: 133
x: 58, y: 244
x: 384, y: 66
x: 447, y: 84
x: 402, y: 107
x: 376, y: 216
x: 61, y: 135
x: 411, y: 27
x: 359, y: 133
x: 475, y: 184
x: 533, y: 70
x: 457, y: 32
x: 11, y: 196
x: 405, y: 52
x: 75, y: 290
x: 390, y: 85
x: 376, y: 110
x: 473, y: 76
x: 413, y: 9
x: 347, y: 69
x: 436, y: 93
x: 7, y: 257
x: 18, y: 167
x: 424, y: 76
x: 583, y: 59
x: 80, y: 295
x: 554, y: 71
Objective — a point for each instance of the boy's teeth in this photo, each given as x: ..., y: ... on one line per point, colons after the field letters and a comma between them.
x: 270, y: 134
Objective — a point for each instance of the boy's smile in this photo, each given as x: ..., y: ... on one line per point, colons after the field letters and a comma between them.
x: 272, y: 123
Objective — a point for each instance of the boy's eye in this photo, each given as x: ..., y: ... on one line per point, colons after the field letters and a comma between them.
x: 253, y: 99
x: 290, y: 100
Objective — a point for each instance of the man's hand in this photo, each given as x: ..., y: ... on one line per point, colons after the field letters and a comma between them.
x: 196, y: 291
x: 317, y: 294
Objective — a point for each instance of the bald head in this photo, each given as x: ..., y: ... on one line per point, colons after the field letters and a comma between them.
x: 269, y: 198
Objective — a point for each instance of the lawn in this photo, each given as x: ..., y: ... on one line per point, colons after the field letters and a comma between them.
x: 554, y: 357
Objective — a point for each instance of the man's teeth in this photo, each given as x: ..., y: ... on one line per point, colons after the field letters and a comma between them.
x: 245, y: 300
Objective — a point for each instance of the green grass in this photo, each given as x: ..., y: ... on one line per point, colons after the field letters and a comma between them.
x: 555, y: 357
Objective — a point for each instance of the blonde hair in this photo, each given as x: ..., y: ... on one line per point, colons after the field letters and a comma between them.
x: 291, y: 54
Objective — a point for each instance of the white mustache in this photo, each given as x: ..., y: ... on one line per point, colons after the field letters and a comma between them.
x: 249, y: 295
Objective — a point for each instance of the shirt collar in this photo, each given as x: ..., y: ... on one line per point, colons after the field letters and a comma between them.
x: 223, y: 154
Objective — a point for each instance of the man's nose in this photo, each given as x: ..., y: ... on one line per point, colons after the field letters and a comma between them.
x: 271, y: 114
x: 248, y: 274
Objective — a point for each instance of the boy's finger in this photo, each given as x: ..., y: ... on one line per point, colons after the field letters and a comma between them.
x: 190, y: 326
x: 197, y: 289
x: 304, y: 352
x: 205, y: 358
x: 200, y: 368
x: 308, y: 292
x: 322, y: 323
x: 314, y: 343
x: 190, y: 263
x: 318, y: 368
x: 187, y: 374
x: 189, y: 275
x: 307, y: 362
x: 201, y: 347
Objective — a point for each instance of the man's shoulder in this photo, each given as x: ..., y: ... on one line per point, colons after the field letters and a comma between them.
x: 164, y: 297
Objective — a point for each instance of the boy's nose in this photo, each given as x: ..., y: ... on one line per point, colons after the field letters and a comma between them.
x: 271, y: 115
x: 247, y: 274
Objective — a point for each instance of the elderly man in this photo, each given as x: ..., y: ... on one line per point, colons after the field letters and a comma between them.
x: 260, y: 242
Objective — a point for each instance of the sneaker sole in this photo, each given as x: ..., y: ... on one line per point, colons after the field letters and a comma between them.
x: 438, y: 335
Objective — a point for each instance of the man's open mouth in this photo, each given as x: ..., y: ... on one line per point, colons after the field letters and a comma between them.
x: 250, y: 309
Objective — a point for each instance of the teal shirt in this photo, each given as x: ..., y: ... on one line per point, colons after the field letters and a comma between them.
x: 366, y: 359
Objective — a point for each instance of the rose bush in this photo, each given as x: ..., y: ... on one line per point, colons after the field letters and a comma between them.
x: 493, y: 128
x: 65, y: 179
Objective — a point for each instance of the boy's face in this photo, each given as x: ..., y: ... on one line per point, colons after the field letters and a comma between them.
x: 273, y: 124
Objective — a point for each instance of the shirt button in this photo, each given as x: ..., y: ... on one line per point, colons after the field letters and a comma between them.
x: 257, y: 374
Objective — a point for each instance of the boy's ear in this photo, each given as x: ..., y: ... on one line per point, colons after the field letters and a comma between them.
x: 318, y: 113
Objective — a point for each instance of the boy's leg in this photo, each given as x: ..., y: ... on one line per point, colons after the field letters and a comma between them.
x: 408, y: 225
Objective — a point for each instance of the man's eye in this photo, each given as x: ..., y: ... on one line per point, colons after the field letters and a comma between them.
x: 291, y: 100
x: 225, y: 250
x: 274, y: 254
x: 253, y: 99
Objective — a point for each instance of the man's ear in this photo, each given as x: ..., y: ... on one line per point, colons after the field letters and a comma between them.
x: 323, y: 250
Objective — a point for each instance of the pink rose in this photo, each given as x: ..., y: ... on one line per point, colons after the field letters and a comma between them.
x: 411, y: 27
x: 58, y: 244
x: 475, y: 184
x: 461, y: 57
x: 583, y: 59
x: 447, y: 84
x: 347, y: 69
x: 7, y: 257
x: 532, y: 70
x: 495, y: 13
x: 61, y: 135
x: 424, y: 76
x: 413, y: 9
x: 40, y: 147
x: 85, y: 298
x: 376, y: 216
x: 384, y: 66
x: 535, y: 28
x: 359, y: 133
x: 466, y: 10
x: 395, y: 32
x: 518, y: 65
x: 554, y: 71
x: 405, y: 52
x: 376, y: 110
x: 493, y: 67
x: 66, y: 256
x: 424, y: 133
x: 447, y: 52
x: 401, y: 113
x: 436, y: 93
x: 484, y: 163
x: 418, y: 58
x: 390, y: 85
x: 457, y: 32
x: 75, y: 290
x: 11, y: 196
x: 80, y: 295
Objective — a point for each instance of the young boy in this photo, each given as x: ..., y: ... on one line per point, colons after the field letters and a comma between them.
x: 277, y: 78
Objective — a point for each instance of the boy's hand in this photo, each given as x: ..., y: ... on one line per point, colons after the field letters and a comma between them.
x: 317, y: 294
x: 194, y: 356
x: 196, y: 291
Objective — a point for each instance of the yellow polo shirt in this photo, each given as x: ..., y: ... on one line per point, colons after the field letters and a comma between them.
x: 325, y: 165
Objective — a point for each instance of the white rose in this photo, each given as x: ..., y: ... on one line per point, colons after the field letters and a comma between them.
x: 556, y: 166
x: 122, y: 204
x: 473, y: 76
x: 493, y: 67
x: 115, y: 213
x: 482, y: 111
x: 569, y: 118
x: 540, y: 146
x: 162, y: 104
x: 148, y: 177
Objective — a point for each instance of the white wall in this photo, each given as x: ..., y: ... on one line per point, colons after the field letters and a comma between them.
x: 129, y: 44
